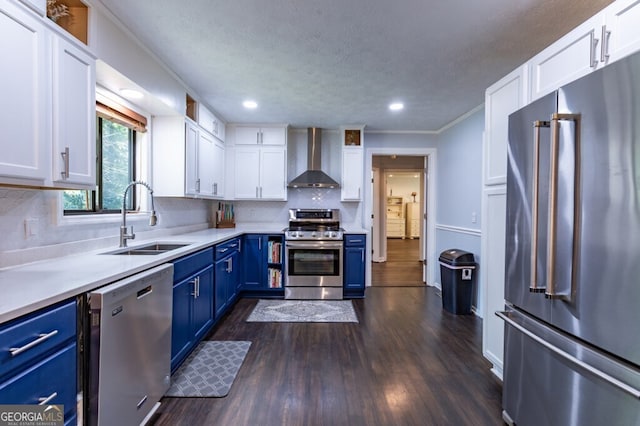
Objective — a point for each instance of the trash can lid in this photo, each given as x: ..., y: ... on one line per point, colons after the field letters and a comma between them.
x: 457, y: 257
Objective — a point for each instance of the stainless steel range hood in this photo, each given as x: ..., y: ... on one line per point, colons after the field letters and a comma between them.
x: 314, y: 177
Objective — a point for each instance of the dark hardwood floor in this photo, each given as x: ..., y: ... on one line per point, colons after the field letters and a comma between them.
x: 407, y: 362
x: 402, y: 268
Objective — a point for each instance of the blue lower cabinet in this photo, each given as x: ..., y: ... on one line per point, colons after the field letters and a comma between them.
x: 193, y: 303
x: 39, y: 359
x: 53, y: 380
x: 262, y: 260
x: 354, y: 265
x: 227, y: 273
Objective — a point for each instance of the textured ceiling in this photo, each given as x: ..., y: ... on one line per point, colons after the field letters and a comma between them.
x: 334, y: 62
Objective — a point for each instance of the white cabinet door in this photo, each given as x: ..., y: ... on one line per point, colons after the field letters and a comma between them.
x: 210, y: 122
x: 247, y: 173
x: 23, y: 103
x: 568, y: 59
x: 247, y: 135
x: 206, y: 160
x: 218, y: 169
x: 352, y: 174
x: 260, y: 173
x: 501, y: 99
x: 189, y: 170
x: 621, y: 32
x: 261, y: 135
x: 273, y: 174
x: 273, y: 135
x: 74, y: 116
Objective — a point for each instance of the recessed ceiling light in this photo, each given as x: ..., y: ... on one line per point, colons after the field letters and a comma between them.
x: 250, y: 104
x: 131, y: 93
x: 396, y: 106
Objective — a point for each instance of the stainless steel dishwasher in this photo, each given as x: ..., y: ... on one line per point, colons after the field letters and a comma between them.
x: 130, y: 347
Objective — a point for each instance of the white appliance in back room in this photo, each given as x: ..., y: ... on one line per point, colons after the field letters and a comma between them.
x: 572, y: 334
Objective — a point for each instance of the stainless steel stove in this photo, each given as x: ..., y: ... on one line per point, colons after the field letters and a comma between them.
x: 313, y: 247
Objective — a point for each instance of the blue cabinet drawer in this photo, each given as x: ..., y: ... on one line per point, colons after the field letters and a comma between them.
x: 192, y: 263
x: 33, y: 336
x: 355, y: 240
x: 54, y: 376
x: 226, y: 248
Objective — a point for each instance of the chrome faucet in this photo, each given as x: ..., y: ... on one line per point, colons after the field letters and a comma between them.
x: 153, y: 220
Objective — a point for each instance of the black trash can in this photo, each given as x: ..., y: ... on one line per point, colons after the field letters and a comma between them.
x: 457, y: 273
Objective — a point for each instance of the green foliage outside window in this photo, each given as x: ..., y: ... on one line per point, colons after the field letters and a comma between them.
x: 115, y: 169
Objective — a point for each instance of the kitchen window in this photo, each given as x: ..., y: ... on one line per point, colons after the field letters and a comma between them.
x: 117, y: 128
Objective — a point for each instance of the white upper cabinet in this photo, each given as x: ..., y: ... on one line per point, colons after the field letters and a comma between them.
x: 23, y: 106
x: 210, y: 167
x: 257, y: 159
x: 606, y: 37
x: 189, y: 183
x: 260, y: 173
x: 351, y: 188
x: 187, y: 161
x: 621, y: 32
x: 210, y: 122
x: 245, y: 135
x: 573, y: 56
x: 74, y: 116
x: 501, y: 99
x: 47, y: 107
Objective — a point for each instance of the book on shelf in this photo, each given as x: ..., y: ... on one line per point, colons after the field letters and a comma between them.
x: 275, y: 278
x: 275, y: 248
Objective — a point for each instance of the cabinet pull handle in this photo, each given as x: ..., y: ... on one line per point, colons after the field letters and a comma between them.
x: 41, y: 339
x: 65, y: 158
x: 533, y: 284
x: 198, y: 185
x: 257, y: 138
x: 592, y: 51
x: 257, y: 196
x: 362, y: 256
x: 46, y: 399
x: 229, y: 265
x: 261, y: 138
x: 222, y: 250
x: 215, y: 189
x: 260, y: 192
x: 551, y: 292
x: 604, y: 47
x: 196, y: 287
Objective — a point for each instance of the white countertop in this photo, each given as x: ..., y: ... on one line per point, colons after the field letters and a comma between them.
x: 26, y: 288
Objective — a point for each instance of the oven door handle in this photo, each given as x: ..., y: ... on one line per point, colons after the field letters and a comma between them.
x: 314, y: 244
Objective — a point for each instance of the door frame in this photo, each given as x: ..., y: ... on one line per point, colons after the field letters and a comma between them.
x: 430, y: 232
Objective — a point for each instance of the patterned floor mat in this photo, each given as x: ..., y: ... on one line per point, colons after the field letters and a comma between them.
x: 210, y: 369
x: 303, y: 311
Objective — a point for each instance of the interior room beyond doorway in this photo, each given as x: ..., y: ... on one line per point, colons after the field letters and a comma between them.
x: 401, y: 195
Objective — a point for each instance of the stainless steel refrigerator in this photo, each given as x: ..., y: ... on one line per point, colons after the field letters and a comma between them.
x: 572, y: 318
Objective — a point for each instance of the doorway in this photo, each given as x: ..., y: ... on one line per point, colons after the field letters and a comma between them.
x: 398, y: 225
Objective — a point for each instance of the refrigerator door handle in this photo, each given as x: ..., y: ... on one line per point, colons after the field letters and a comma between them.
x: 533, y: 286
x: 504, y: 315
x: 556, y: 118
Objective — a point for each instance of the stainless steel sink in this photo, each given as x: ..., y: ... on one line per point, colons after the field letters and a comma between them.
x: 148, y: 249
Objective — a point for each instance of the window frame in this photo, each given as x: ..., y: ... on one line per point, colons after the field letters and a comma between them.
x: 96, y: 195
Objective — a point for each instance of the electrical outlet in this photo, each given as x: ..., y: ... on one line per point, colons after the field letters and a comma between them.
x: 474, y: 217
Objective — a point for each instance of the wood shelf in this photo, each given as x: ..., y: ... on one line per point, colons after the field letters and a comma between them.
x: 77, y: 22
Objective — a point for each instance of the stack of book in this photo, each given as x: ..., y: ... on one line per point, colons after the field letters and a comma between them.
x: 275, y: 278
